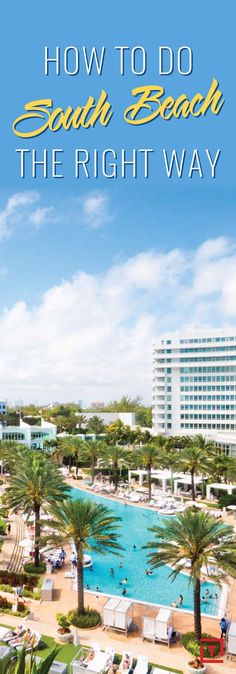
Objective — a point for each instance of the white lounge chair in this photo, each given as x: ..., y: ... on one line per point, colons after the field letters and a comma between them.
x: 7, y: 635
x: 122, y: 666
x: 141, y: 666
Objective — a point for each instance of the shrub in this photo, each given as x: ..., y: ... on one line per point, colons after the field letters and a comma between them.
x: 90, y: 618
x: 32, y: 569
x: 6, y: 607
x: 3, y: 527
x: 63, y: 620
x: 33, y: 593
x: 189, y: 642
x: 13, y: 579
x: 226, y: 500
x: 4, y: 603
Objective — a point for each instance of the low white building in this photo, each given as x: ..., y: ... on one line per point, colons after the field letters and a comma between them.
x: 26, y: 434
x: 127, y: 418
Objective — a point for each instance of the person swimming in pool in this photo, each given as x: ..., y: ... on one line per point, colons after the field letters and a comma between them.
x: 180, y: 600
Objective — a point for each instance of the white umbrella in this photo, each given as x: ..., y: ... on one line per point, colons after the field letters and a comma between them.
x: 196, y: 504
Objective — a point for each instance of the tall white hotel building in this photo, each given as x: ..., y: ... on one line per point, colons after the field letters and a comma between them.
x: 194, y: 385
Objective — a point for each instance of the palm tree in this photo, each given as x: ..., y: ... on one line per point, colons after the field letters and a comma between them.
x: 195, y: 461
x: 206, y: 445
x: 149, y: 457
x: 53, y: 450
x: 95, y: 425
x: 64, y: 448
x: 159, y: 441
x: 171, y: 459
x: 76, y: 445
x: 223, y: 466
x: 81, y: 422
x: 71, y: 445
x: 204, y: 541
x: 209, y: 449
x: 34, y: 485
x: 91, y: 450
x: 115, y: 458
x: 117, y: 432
x: 11, y: 453
x: 90, y: 527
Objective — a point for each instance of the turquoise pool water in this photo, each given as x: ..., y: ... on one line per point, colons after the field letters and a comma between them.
x: 156, y: 588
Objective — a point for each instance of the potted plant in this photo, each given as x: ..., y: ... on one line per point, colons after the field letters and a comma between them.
x: 195, y: 665
x: 64, y: 633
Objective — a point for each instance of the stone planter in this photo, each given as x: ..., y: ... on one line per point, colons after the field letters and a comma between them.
x: 64, y: 638
x: 193, y: 670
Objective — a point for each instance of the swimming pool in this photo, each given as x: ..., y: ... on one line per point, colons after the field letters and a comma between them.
x: 157, y: 588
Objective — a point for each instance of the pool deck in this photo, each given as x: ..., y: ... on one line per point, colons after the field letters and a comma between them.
x: 65, y: 599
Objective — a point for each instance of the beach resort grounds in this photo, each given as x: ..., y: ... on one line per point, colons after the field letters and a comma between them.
x: 43, y: 618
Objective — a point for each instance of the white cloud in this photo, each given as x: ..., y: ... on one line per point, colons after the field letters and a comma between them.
x: 40, y: 215
x: 90, y: 336
x: 95, y: 208
x: 15, y: 211
x: 91, y: 210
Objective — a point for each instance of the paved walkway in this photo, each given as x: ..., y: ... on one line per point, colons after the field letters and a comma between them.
x: 9, y: 544
x: 45, y: 623
x: 15, y: 561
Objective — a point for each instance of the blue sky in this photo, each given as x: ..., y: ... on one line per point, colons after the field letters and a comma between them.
x: 68, y: 238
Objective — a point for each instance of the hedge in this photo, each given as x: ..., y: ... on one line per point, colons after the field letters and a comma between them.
x: 14, y: 579
x: 26, y: 593
x: 6, y: 607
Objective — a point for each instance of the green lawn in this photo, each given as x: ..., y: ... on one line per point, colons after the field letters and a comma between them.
x: 68, y: 652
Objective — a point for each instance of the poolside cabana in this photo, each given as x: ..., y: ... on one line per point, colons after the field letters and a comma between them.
x: 117, y: 614
x: 231, y: 640
x: 185, y: 481
x: 160, y: 475
x: 229, y: 488
x: 157, y: 628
